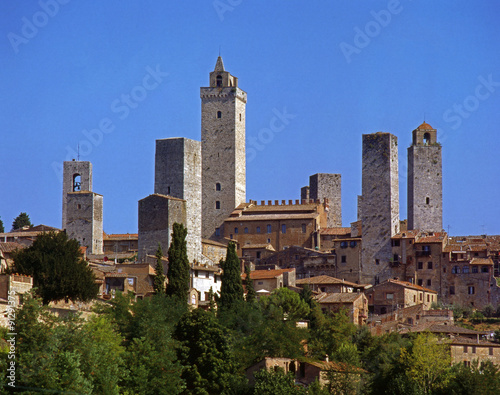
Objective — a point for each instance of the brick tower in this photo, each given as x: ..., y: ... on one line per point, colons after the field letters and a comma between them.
x: 223, y: 149
x: 425, y: 181
x: 82, y: 209
x: 379, y: 204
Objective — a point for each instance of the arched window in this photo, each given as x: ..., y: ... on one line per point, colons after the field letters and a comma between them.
x: 217, y: 186
x: 427, y: 138
x: 217, y: 205
x: 219, y: 80
x: 219, y: 114
x: 77, y: 182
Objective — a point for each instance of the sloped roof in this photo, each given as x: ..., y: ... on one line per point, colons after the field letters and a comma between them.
x: 10, y: 246
x: 323, y: 279
x: 407, y: 285
x: 481, y: 261
x: 340, y: 297
x: 263, y: 274
x: 339, y: 231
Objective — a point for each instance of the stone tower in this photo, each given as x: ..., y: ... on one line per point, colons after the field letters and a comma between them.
x: 82, y: 208
x: 425, y: 183
x: 223, y: 149
x: 379, y: 204
x: 323, y: 185
x: 178, y: 174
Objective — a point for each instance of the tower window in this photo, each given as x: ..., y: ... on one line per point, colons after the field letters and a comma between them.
x: 217, y: 205
x: 217, y: 186
x: 303, y: 228
x: 240, y: 117
x: 217, y: 233
x: 245, y: 230
x: 427, y: 138
x: 219, y: 80
x: 236, y: 230
x: 219, y: 114
x: 257, y: 230
x: 78, y: 206
x: 427, y: 200
x: 77, y: 182
x: 283, y: 228
x: 269, y: 229
x: 168, y: 190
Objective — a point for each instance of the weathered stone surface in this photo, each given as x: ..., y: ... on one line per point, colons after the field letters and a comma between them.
x: 77, y: 176
x: 324, y: 185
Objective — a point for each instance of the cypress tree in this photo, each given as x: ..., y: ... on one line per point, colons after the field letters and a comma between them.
x: 231, y: 290
x: 249, y: 286
x: 178, y: 264
x: 159, y: 279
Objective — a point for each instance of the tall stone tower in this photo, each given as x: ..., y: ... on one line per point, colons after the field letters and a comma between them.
x: 324, y: 185
x: 379, y: 204
x: 178, y: 174
x: 223, y: 149
x: 82, y: 209
x: 425, y: 181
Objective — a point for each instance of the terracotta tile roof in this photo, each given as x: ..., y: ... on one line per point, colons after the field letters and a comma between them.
x: 336, y: 366
x: 441, y: 328
x: 250, y: 210
x: 327, y: 280
x: 409, y: 285
x: 10, y: 246
x: 340, y: 297
x: 211, y: 242
x: 425, y: 126
x: 257, y: 246
x: 468, y: 341
x: 263, y: 274
x: 481, y: 261
x: 408, y: 234
x: 115, y: 236
x: 335, y: 231
x: 436, y: 237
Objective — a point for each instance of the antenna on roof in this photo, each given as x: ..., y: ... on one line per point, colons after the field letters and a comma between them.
x: 219, y: 50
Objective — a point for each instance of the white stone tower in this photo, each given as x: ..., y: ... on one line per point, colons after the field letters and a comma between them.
x: 178, y: 174
x: 223, y: 149
x: 82, y: 209
x: 425, y: 181
x: 379, y: 204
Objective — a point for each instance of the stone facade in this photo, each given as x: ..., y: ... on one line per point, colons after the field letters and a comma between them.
x: 77, y: 176
x: 323, y: 185
x: 178, y: 174
x: 157, y: 215
x: 380, y: 204
x: 425, y: 185
x: 223, y: 149
x: 84, y: 221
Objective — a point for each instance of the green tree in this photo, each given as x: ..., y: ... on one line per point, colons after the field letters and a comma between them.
x: 2, y: 229
x: 249, y: 286
x: 231, y: 290
x: 178, y: 264
x: 159, y: 279
x: 21, y: 221
x: 276, y: 382
x: 428, y: 363
x: 205, y: 353
x: 478, y: 379
x: 285, y: 304
x: 58, y: 269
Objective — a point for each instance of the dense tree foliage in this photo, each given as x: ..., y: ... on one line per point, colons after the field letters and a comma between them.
x: 178, y: 264
x: 2, y: 229
x: 249, y: 286
x: 231, y: 291
x: 57, y: 267
x: 159, y: 346
x: 21, y: 221
x: 159, y: 279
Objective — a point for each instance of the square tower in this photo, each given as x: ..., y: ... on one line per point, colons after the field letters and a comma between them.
x: 178, y: 174
x: 425, y: 181
x: 324, y: 185
x: 84, y: 220
x: 223, y: 149
x: 379, y: 204
x: 77, y: 176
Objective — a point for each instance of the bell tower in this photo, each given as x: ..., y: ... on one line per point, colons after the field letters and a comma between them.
x: 223, y: 149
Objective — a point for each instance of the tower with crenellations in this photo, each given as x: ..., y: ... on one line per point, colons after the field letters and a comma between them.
x: 425, y: 181
x: 223, y: 149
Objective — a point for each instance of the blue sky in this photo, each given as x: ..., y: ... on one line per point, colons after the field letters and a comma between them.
x: 340, y: 69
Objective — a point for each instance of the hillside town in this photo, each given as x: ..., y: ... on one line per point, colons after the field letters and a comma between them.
x: 388, y: 272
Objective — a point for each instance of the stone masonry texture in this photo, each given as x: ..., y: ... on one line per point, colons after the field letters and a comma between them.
x: 425, y: 186
x: 380, y: 204
x: 178, y: 174
x: 71, y: 171
x: 323, y: 185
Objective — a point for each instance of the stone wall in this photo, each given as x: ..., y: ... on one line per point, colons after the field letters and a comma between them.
x: 157, y: 215
x: 71, y: 169
x: 84, y: 220
x: 380, y: 204
x: 223, y: 155
x: 425, y: 187
x: 178, y: 174
x: 323, y: 185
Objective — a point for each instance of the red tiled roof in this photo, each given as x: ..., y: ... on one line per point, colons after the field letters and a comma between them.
x: 323, y: 279
x: 410, y: 285
x: 481, y: 261
x: 10, y: 246
x: 425, y: 126
x: 263, y: 274
x: 335, y: 231
x: 338, y: 297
